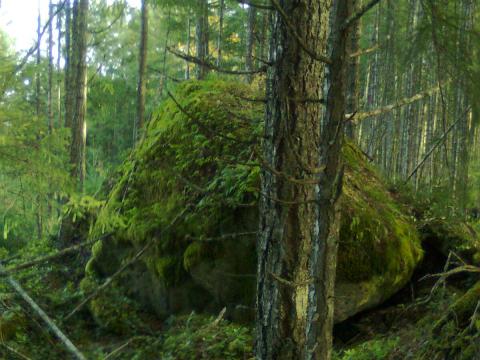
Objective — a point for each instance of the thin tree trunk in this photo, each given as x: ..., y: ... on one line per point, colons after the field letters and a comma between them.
x: 163, y: 83
x: 50, y: 68
x: 37, y: 72
x: 353, y: 71
x: 252, y: 13
x: 79, y: 127
x: 39, y: 218
x: 187, y: 70
x: 201, y: 37
x: 142, y: 65
x: 221, y: 7
x: 68, y: 66
x: 59, y: 77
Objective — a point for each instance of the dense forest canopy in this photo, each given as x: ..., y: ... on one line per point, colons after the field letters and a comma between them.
x: 237, y: 179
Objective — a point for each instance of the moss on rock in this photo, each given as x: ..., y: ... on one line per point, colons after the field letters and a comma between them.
x: 199, y: 150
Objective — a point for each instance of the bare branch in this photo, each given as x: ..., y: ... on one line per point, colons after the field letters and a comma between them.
x: 211, y: 66
x: 44, y: 259
x: 255, y: 5
x: 406, y: 101
x: 355, y: 17
x: 224, y: 237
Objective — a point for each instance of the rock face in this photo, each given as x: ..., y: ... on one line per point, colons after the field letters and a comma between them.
x: 200, y: 150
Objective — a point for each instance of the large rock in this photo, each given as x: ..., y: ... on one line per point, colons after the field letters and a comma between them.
x: 199, y: 149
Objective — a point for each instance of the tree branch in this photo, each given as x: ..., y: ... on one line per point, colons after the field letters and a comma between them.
x: 406, y: 101
x: 355, y: 17
x: 255, y: 5
x: 211, y: 66
x: 47, y: 258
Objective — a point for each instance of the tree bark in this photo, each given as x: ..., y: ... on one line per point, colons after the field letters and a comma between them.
x: 79, y: 127
x: 142, y: 65
x: 297, y: 242
x: 221, y: 7
x: 353, y: 68
x: 187, y: 69
x: 68, y: 65
x: 252, y: 14
x: 59, y: 77
x: 202, y: 37
x: 50, y: 68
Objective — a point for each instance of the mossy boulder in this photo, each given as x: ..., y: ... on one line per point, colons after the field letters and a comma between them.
x: 199, y: 152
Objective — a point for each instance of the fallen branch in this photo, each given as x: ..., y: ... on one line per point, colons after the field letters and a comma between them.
x: 457, y: 270
x: 48, y: 321
x: 47, y: 258
x: 223, y: 237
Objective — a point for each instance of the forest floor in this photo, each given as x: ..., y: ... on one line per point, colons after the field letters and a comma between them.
x: 401, y: 328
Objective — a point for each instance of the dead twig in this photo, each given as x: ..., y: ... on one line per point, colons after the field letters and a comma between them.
x: 47, y: 258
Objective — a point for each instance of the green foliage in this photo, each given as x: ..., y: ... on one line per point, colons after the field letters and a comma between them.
x: 183, y: 152
x: 201, y: 337
x: 377, y: 349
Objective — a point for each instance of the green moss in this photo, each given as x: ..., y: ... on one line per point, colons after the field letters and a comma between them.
x: 193, y: 254
x: 206, y: 146
x: 376, y: 237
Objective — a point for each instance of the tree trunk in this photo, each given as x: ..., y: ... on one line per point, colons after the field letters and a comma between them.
x: 50, y: 68
x: 37, y: 71
x: 142, y: 64
x: 298, y: 221
x: 353, y: 69
x: 59, y: 77
x: 202, y: 38
x: 220, y: 32
x: 187, y: 70
x: 68, y: 65
x: 79, y: 127
x: 252, y: 14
